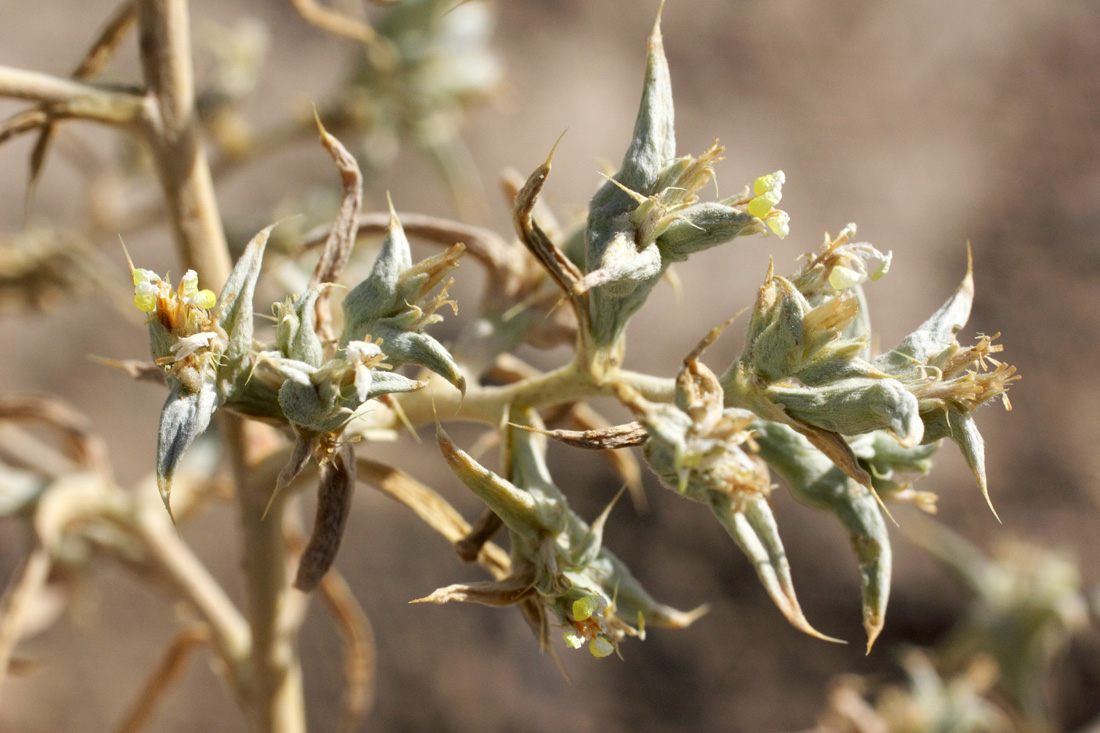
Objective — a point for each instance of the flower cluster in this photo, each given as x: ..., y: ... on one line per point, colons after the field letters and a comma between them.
x: 561, y: 573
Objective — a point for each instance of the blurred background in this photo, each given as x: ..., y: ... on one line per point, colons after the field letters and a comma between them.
x: 930, y: 125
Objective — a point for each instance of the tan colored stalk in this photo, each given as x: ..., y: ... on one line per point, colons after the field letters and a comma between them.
x: 273, y: 693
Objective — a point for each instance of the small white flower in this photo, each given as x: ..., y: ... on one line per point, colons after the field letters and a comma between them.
x: 362, y: 351
x: 573, y: 639
x: 361, y: 354
x: 188, y: 345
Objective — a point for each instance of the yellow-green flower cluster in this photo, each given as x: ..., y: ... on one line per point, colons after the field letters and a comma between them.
x: 767, y: 192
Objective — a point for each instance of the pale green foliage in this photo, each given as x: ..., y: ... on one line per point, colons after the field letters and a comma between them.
x: 805, y: 398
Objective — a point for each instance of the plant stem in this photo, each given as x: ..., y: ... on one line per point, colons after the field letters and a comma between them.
x: 488, y: 404
x: 275, y: 682
x: 172, y: 132
x: 70, y: 98
x: 273, y: 695
x: 193, y: 582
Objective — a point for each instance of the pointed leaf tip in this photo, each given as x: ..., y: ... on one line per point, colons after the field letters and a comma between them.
x: 164, y: 487
x: 393, y: 212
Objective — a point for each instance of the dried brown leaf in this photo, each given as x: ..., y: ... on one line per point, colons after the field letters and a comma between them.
x: 432, y: 508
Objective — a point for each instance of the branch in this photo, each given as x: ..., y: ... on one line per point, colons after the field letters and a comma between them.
x: 334, y: 22
x: 483, y: 245
x: 71, y: 98
x: 171, y: 129
x: 193, y: 582
x: 274, y: 700
x: 171, y: 665
x: 432, y: 509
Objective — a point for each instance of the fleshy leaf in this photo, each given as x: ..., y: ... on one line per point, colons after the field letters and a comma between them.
x: 700, y: 227
x: 654, y: 142
x: 375, y: 297
x: 409, y: 347
x: 234, y: 308
x: 754, y: 530
x: 294, y: 334
x: 516, y: 507
x: 774, y: 345
x: 855, y: 406
x: 948, y: 421
x: 184, y: 417
x: 816, y: 482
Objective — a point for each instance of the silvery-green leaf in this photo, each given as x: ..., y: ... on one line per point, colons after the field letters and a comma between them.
x: 654, y: 142
x: 588, y: 549
x: 841, y: 362
x: 517, y: 508
x: 855, y: 406
x: 161, y: 340
x: 311, y: 406
x: 816, y: 482
x: 774, y: 345
x: 409, y: 347
x: 623, y: 267
x: 383, y: 383
x: 618, y: 285
x: 234, y: 307
x: 184, y: 417
x: 376, y: 296
x: 935, y: 335
x: 702, y: 226
x: 653, y: 145
x: 299, y: 457
x: 526, y: 457
x: 750, y: 523
x: 610, y: 243
x: 886, y: 456
x: 632, y: 601
x: 295, y: 335
x: 948, y: 421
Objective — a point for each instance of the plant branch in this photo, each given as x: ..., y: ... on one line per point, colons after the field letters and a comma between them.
x: 171, y: 665
x: 487, y: 404
x: 193, y: 582
x: 70, y: 98
x: 482, y: 244
x: 171, y: 129
x: 275, y: 682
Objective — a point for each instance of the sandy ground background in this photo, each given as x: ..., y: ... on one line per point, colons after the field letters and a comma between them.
x: 929, y: 124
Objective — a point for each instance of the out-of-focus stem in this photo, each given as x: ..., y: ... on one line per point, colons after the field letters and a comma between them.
x: 193, y: 582
x: 275, y: 679
x: 70, y: 98
x: 172, y: 131
x: 273, y: 689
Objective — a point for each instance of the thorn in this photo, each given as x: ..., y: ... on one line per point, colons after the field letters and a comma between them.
x: 126, y: 252
x: 550, y: 157
x: 394, y: 223
x: 270, y: 501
